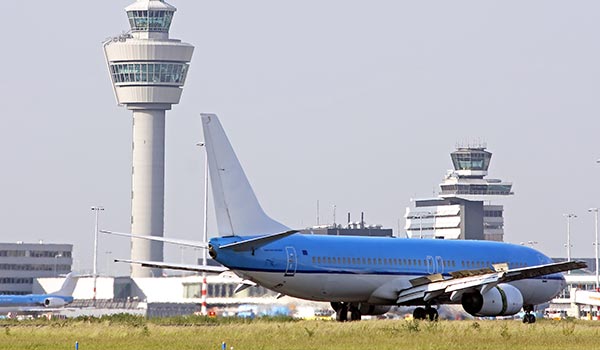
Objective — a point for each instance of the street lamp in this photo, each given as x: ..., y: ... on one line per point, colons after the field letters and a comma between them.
x: 595, y: 211
x: 203, y: 310
x: 55, y: 264
x: 97, y: 210
x: 568, y: 245
x: 421, y: 215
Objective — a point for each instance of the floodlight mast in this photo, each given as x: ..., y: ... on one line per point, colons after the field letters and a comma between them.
x: 148, y: 72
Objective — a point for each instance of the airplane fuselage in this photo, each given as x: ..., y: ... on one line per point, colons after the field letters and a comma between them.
x: 374, y: 269
x: 30, y: 300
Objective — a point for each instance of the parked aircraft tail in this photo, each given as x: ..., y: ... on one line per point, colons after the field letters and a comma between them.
x: 68, y: 285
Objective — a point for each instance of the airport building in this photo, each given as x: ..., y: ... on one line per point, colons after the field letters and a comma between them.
x: 359, y: 228
x: 463, y: 209
x: 21, y: 263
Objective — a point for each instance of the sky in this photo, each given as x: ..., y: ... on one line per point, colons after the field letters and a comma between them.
x: 350, y: 103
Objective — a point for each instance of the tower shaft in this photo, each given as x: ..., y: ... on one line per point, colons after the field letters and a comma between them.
x: 148, y: 71
x: 148, y: 187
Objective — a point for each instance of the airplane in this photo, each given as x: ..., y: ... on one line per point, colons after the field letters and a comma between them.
x: 41, y: 302
x: 361, y: 275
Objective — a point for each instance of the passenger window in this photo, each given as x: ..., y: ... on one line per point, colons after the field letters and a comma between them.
x: 369, y: 261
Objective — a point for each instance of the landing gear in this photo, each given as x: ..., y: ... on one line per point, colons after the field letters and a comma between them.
x: 346, y: 312
x: 341, y: 311
x: 419, y: 313
x: 432, y: 314
x: 528, y: 317
x: 355, y: 313
x: 426, y: 313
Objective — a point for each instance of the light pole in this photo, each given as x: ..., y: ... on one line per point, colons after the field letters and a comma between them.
x: 569, y: 217
x: 595, y: 211
x: 420, y: 216
x: 55, y: 264
x: 97, y: 210
x: 204, y: 291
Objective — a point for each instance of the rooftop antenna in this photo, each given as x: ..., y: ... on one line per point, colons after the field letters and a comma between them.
x: 318, y: 212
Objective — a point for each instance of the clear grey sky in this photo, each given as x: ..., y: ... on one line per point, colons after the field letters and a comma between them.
x: 353, y: 103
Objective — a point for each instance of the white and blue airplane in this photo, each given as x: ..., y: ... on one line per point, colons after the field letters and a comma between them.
x: 41, y: 302
x: 361, y: 275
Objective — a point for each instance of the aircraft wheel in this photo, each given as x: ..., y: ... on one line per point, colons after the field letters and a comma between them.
x: 355, y: 314
x: 341, y: 314
x: 419, y: 313
x: 432, y: 314
x: 529, y: 318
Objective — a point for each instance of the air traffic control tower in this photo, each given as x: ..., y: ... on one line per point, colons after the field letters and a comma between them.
x: 463, y: 209
x: 148, y: 71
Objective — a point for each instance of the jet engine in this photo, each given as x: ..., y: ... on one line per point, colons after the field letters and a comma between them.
x: 502, y: 300
x: 54, y: 302
x: 368, y: 309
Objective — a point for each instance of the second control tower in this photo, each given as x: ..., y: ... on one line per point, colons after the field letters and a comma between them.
x: 148, y: 71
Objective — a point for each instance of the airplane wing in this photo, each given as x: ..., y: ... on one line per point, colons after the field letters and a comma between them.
x: 195, y: 244
x: 162, y: 265
x: 435, y: 286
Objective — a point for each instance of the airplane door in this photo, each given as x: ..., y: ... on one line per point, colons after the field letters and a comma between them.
x: 292, y: 261
x: 430, y: 265
x: 440, y: 264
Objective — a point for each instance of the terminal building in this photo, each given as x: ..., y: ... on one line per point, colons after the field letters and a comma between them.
x: 351, y: 229
x: 463, y: 209
x: 21, y: 263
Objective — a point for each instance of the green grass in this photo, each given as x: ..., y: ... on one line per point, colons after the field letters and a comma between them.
x: 126, y: 332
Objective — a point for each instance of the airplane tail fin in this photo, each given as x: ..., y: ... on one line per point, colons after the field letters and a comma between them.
x: 68, y: 285
x: 238, y: 211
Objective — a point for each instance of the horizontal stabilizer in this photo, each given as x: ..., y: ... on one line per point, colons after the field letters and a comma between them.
x: 257, y: 242
x: 195, y: 244
x: 184, y: 267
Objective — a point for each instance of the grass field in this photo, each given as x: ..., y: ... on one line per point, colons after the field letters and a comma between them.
x: 200, y: 333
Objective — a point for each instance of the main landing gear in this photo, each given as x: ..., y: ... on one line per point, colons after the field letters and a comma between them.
x: 346, y: 312
x: 426, y: 313
x: 528, y: 317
